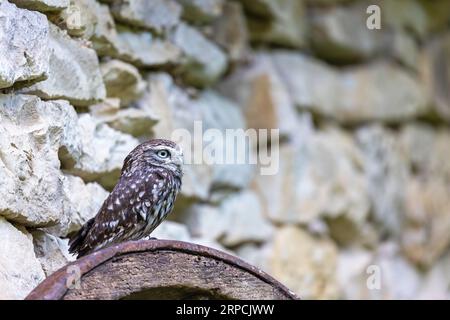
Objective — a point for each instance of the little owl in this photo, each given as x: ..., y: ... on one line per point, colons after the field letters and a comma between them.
x: 149, y: 182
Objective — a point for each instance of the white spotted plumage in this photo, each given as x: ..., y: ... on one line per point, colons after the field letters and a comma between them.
x: 142, y: 198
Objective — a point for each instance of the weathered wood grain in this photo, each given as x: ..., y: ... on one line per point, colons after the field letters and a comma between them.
x: 161, y: 269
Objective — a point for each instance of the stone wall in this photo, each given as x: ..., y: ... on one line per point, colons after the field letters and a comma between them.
x: 363, y: 187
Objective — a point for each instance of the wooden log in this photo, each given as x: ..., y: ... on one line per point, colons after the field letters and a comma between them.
x: 159, y: 269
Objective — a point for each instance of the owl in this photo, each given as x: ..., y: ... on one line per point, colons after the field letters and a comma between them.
x: 144, y: 195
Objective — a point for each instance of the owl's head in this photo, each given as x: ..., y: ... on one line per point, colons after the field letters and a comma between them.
x: 156, y: 153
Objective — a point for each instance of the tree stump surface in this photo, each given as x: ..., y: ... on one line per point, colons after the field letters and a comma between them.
x: 159, y: 269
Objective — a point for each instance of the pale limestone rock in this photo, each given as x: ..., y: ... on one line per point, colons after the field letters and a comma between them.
x: 204, y: 221
x: 406, y: 15
x: 283, y: 23
x: 404, y: 47
x: 229, y: 31
x: 243, y: 216
x: 122, y: 81
x: 427, y: 206
x: 169, y: 230
x: 360, y: 272
x: 102, y: 154
x: 82, y: 201
x: 436, y: 281
x: 340, y: 34
x: 42, y: 5
x: 304, y: 264
x: 135, y: 121
x: 52, y: 252
x: 138, y: 47
x: 254, y: 254
x: 386, y: 175
x: 262, y: 95
x: 20, y: 270
x: 24, y: 51
x: 201, y: 11
x: 425, y: 236
x: 104, y: 40
x: 408, y: 177
x: 80, y: 18
x: 33, y: 132
x: 143, y: 49
x: 435, y: 74
x: 321, y: 177
x: 156, y: 15
x: 220, y: 114
x: 237, y: 220
x: 379, y: 91
x: 351, y: 271
x: 74, y: 72
x: 202, y: 61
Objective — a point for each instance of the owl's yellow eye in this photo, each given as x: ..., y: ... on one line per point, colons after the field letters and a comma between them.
x: 163, y: 154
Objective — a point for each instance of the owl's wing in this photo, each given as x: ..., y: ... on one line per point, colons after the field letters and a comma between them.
x: 123, y: 215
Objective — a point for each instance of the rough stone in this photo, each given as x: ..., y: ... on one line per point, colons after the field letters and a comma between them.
x: 220, y: 114
x: 262, y: 95
x: 134, y: 121
x: 230, y: 32
x: 425, y: 237
x: 244, y: 220
x: 20, y: 270
x: 138, y: 47
x: 24, y: 54
x: 74, y: 73
x: 321, y: 177
x: 283, y: 23
x: 52, y: 252
x: 102, y: 154
x: 397, y: 277
x: 42, y: 5
x: 145, y: 50
x: 403, y: 47
x: 307, y: 269
x: 405, y: 14
x: 435, y: 74
x: 436, y: 281
x: 202, y: 62
x: 79, y: 19
x: 339, y: 34
x: 386, y: 174
x: 427, y: 208
x: 355, y: 94
x: 169, y: 230
x: 81, y: 203
x: 32, y: 133
x: 157, y: 15
x: 204, y: 221
x: 201, y: 11
x: 336, y: 37
x: 122, y: 81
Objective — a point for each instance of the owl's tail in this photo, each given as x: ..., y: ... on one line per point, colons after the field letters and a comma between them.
x: 76, y: 242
